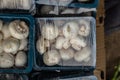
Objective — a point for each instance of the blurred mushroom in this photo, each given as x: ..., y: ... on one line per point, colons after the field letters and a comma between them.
x: 59, y: 42
x: 66, y: 44
x: 19, y: 29
x: 6, y: 60
x: 51, y: 58
x: 6, y: 31
x: 40, y: 45
x: 78, y: 42
x: 83, y: 54
x: 11, y: 45
x: 70, y: 29
x: 67, y: 54
x: 50, y: 31
x: 20, y: 59
x: 23, y: 44
x: 84, y: 28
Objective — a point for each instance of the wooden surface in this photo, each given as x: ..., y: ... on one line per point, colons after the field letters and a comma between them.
x: 100, y: 71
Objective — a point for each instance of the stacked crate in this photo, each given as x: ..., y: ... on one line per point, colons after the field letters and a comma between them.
x: 70, y: 16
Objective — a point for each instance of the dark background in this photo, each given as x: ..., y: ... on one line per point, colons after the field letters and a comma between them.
x: 112, y: 35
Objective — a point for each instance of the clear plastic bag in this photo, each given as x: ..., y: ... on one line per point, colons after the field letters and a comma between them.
x: 70, y: 3
x: 27, y: 5
x: 55, y: 2
x: 66, y: 42
x: 60, y: 10
x: 63, y: 2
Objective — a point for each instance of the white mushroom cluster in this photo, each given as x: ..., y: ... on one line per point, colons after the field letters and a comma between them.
x: 13, y: 43
x: 15, y: 4
x: 65, y: 42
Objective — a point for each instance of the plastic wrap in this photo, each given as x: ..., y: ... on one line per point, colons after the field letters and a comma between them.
x: 17, y: 6
x: 65, y: 43
x: 60, y: 10
x: 70, y: 3
x: 17, y: 43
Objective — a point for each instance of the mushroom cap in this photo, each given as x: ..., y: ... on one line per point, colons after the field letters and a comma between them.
x: 83, y: 54
x: 50, y: 31
x: 70, y: 29
x: 19, y: 29
x: 67, y: 54
x: 20, y: 59
x: 59, y: 42
x: 51, y: 58
x: 26, y: 4
x: 40, y: 45
x: 76, y: 47
x: 47, y: 43
x: 6, y: 31
x: 23, y: 44
x: 66, y: 44
x: 11, y: 45
x: 84, y: 29
x: 6, y: 60
x: 78, y: 41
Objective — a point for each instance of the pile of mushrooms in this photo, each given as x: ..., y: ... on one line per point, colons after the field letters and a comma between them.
x: 15, y: 4
x: 13, y: 44
x: 64, y: 42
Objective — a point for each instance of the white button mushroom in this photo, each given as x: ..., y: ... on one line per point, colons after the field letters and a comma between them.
x: 84, y: 28
x: 20, y: 59
x: 19, y: 29
x: 23, y: 44
x: 66, y: 44
x: 67, y: 54
x: 6, y: 60
x: 76, y: 47
x: 87, y: 59
x: 50, y: 31
x: 70, y: 29
x: 40, y: 45
x: 59, y: 42
x: 11, y: 45
x: 83, y: 54
x: 5, y: 31
x: 47, y: 43
x: 51, y: 58
x: 26, y: 4
x: 78, y: 42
